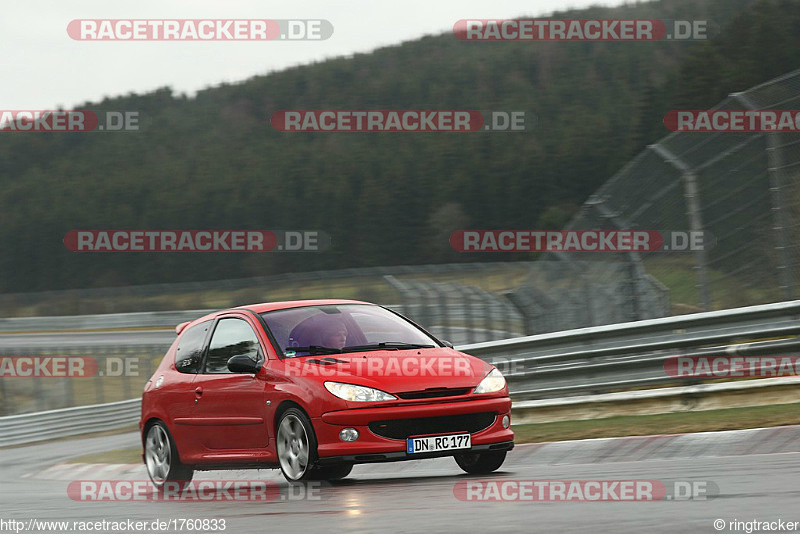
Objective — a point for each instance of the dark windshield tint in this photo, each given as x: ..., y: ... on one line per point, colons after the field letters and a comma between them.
x: 340, y: 326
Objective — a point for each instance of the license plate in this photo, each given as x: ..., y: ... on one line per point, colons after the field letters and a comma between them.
x: 438, y: 443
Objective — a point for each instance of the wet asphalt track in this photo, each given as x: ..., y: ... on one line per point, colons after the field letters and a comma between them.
x: 757, y: 472
x: 758, y: 475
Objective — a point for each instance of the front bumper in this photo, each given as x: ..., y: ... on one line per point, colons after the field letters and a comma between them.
x: 370, y: 447
x: 400, y: 456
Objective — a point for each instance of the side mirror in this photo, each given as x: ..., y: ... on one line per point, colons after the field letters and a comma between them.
x: 243, y: 364
x: 447, y: 343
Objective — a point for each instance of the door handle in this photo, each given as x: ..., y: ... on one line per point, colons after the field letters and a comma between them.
x: 198, y: 392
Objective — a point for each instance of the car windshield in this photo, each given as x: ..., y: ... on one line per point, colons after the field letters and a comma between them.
x: 332, y: 329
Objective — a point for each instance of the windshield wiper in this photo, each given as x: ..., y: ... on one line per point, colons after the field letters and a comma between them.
x: 388, y: 345
x: 311, y: 349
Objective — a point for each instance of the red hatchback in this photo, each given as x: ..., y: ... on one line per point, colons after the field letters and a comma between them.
x: 313, y: 387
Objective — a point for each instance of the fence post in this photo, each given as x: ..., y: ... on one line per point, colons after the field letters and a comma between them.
x: 97, y: 382
x: 400, y: 288
x: 693, y: 212
x: 775, y: 169
x: 444, y: 304
x: 469, y: 319
x: 775, y: 160
x: 3, y: 398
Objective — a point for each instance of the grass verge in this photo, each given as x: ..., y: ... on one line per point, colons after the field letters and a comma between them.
x: 634, y: 425
x: 122, y: 456
x: 667, y: 423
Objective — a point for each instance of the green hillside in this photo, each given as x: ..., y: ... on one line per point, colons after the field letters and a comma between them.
x: 214, y: 161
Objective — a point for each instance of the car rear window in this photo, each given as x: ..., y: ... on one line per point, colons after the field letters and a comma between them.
x: 189, y: 354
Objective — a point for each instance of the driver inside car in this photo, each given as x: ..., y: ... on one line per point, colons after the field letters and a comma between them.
x: 334, y: 335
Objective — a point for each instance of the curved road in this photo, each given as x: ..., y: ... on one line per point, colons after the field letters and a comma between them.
x: 756, y: 473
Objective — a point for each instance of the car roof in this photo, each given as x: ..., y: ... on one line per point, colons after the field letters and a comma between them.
x: 270, y: 306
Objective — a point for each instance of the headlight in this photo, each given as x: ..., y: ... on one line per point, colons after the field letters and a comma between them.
x: 493, y: 382
x: 354, y: 393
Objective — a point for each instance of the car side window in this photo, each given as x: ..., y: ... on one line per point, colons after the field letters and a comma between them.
x: 189, y: 354
x: 232, y: 337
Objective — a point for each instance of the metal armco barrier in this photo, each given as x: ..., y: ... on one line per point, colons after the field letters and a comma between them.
x: 622, y: 356
x: 593, y: 360
x: 100, y: 321
x: 40, y: 426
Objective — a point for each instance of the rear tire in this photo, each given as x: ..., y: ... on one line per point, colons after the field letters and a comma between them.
x: 480, y: 463
x: 161, y: 458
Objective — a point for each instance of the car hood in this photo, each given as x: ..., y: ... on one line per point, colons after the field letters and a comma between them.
x: 395, y: 371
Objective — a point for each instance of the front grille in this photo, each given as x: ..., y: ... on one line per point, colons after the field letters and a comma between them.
x: 449, y: 424
x: 433, y: 393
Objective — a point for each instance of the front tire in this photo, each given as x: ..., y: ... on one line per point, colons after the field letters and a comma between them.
x: 161, y: 458
x: 297, y: 445
x: 297, y: 450
x: 480, y: 463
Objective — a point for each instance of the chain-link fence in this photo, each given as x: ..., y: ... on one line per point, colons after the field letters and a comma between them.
x: 461, y: 303
x: 366, y: 283
x: 739, y: 189
x: 105, y: 374
x: 561, y: 295
x: 459, y: 313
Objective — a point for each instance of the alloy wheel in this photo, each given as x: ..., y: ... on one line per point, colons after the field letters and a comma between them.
x: 293, y: 447
x: 158, y: 454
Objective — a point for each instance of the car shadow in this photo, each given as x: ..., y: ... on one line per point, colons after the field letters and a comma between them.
x: 400, y: 479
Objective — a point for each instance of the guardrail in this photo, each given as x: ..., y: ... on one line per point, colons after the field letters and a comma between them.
x: 100, y: 321
x: 40, y: 426
x: 482, y: 318
x: 627, y: 355
x: 593, y: 360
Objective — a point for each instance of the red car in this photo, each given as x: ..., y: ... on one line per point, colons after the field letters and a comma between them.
x: 314, y: 387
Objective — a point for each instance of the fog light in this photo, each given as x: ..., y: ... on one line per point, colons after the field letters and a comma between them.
x: 506, y: 421
x: 348, y: 434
